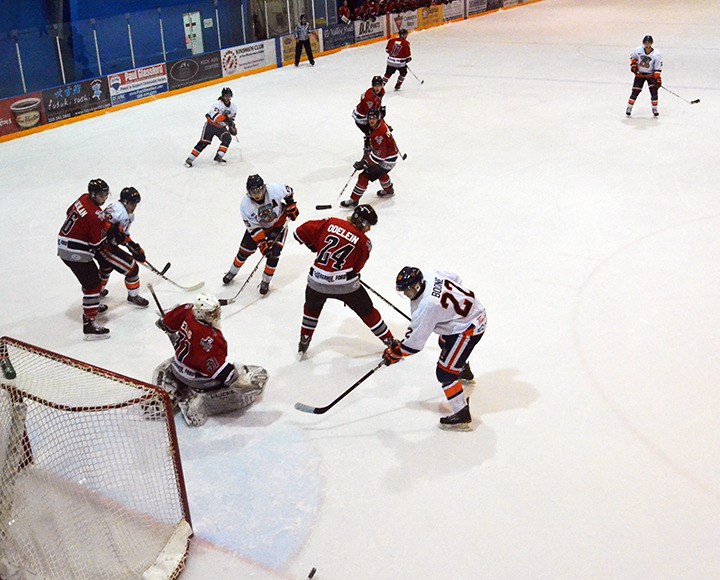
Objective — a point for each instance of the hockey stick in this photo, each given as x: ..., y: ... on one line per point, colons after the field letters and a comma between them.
x: 329, y: 205
x: 385, y: 300
x: 155, y: 298
x: 320, y: 410
x: 164, y: 277
x: 226, y: 301
x: 679, y: 97
x: 413, y: 74
x: 158, y: 272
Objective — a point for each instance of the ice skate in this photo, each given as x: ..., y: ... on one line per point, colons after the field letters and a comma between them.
x: 264, y: 287
x: 189, y: 162
x: 349, y: 203
x: 102, y: 308
x: 628, y: 111
x: 466, y: 375
x: 389, y: 192
x: 103, y: 293
x: 93, y: 331
x: 655, y: 112
x: 219, y: 159
x: 228, y: 277
x: 138, y: 301
x: 460, y: 421
x: 303, y: 346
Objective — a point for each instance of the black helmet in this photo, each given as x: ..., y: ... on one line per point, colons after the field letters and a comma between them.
x: 407, y: 277
x: 98, y: 187
x: 377, y: 80
x: 403, y: 32
x: 226, y: 92
x: 364, y: 215
x: 130, y: 194
x: 648, y: 38
x: 374, y: 114
x: 254, y: 182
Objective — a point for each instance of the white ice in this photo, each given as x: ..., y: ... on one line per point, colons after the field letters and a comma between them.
x: 592, y: 240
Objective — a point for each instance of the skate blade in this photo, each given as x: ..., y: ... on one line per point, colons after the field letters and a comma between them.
x: 456, y: 427
x: 93, y: 337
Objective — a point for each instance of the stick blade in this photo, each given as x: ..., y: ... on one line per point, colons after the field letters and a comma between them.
x: 323, y: 206
x: 195, y: 287
x: 305, y: 408
x: 695, y: 101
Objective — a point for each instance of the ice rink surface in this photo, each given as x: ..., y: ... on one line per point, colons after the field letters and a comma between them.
x: 592, y: 240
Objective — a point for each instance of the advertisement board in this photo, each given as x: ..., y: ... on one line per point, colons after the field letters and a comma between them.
x: 406, y: 20
x: 138, y: 83
x: 338, y: 35
x: 21, y: 113
x: 477, y: 6
x: 494, y: 4
x: 248, y: 57
x: 287, y: 46
x: 430, y: 16
x: 367, y: 30
x: 453, y: 10
x: 194, y: 70
x: 76, y: 99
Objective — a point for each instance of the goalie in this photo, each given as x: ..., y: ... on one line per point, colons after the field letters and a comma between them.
x: 199, y: 379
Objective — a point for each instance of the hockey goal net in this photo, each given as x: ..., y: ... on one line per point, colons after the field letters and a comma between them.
x: 91, y: 483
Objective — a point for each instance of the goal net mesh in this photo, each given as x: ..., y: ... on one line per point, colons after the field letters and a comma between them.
x: 91, y: 483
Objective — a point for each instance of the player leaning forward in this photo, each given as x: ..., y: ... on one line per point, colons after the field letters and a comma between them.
x: 646, y: 64
x: 265, y: 211
x: 220, y: 123
x: 440, y: 304
x: 199, y: 378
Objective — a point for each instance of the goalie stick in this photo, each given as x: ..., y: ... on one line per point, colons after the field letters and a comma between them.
x: 693, y: 102
x: 320, y: 410
x: 161, y: 273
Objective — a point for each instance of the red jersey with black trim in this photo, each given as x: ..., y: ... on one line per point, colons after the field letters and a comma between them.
x: 383, y: 149
x: 398, y: 51
x: 369, y: 101
x: 342, y: 250
x: 200, y: 350
x: 83, y: 232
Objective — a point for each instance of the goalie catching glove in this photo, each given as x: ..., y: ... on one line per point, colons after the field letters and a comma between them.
x: 136, y: 251
x: 393, y: 353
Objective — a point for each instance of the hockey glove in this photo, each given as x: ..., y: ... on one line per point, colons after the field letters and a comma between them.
x: 360, y: 165
x: 393, y: 353
x: 658, y: 80
x: 633, y: 67
x: 136, y: 251
x: 264, y: 247
x: 232, y: 129
x: 292, y: 211
x: 161, y: 325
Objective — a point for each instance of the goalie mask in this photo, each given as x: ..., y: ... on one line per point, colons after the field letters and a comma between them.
x: 410, y: 282
x: 206, y: 309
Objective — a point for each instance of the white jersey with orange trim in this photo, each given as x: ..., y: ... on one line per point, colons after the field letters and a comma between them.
x: 118, y: 214
x: 220, y: 113
x: 444, y: 307
x: 647, y: 63
x: 270, y: 212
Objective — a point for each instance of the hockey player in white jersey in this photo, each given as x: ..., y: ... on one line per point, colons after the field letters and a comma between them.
x: 646, y: 64
x: 121, y: 215
x: 440, y: 304
x: 220, y: 123
x: 265, y: 210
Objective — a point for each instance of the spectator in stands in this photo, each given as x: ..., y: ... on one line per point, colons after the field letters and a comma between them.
x: 344, y: 12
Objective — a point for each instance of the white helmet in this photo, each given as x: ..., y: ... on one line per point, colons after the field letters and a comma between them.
x: 206, y: 308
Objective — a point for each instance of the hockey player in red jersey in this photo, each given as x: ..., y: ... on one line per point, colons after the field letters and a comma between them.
x: 441, y: 304
x: 344, y: 12
x: 342, y: 248
x: 199, y: 378
x: 398, y: 51
x: 370, y: 100
x: 220, y: 123
x: 377, y: 162
x: 121, y: 215
x: 79, y: 241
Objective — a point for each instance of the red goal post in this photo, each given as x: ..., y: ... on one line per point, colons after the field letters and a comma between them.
x: 91, y: 483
